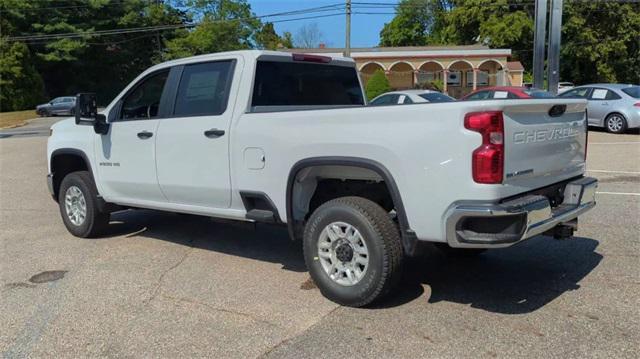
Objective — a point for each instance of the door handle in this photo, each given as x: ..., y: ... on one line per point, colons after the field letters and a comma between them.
x: 144, y: 135
x: 214, y: 133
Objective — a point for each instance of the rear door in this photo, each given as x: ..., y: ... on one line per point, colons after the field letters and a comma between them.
x: 601, y: 102
x: 192, y: 146
x: 543, y: 146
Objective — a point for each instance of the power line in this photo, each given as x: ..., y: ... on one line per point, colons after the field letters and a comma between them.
x: 29, y: 38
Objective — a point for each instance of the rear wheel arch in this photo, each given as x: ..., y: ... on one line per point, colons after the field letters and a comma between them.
x: 408, y: 236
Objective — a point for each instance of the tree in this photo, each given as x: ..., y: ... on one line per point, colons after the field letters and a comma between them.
x: 377, y: 85
x: 21, y: 85
x: 413, y: 24
x: 308, y: 36
x: 599, y: 39
x: 267, y: 38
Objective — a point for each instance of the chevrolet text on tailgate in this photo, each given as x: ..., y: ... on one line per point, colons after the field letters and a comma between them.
x: 288, y: 139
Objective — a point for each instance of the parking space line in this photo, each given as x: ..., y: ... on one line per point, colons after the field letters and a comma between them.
x: 623, y: 172
x: 613, y: 143
x: 620, y: 193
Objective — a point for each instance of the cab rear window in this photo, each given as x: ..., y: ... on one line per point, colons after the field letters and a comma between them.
x: 292, y: 84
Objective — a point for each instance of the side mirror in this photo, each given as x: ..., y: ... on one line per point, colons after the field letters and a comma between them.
x: 86, y: 113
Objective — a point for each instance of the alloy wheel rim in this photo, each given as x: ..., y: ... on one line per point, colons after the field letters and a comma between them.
x: 343, y: 253
x: 75, y: 205
x: 615, y: 123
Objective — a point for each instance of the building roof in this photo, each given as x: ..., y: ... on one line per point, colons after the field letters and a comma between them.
x: 410, y: 51
x: 515, y: 66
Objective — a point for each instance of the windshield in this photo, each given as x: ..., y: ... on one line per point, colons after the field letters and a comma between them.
x: 436, y: 97
x: 632, y: 91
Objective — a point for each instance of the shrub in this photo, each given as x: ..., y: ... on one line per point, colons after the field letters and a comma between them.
x: 436, y: 85
x: 377, y: 85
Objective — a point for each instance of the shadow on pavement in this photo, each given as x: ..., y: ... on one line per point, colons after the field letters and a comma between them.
x: 267, y: 243
x: 513, y: 280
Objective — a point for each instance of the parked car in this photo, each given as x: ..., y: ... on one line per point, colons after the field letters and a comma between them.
x: 616, y: 107
x: 273, y: 137
x: 58, y: 106
x: 410, y: 96
x: 565, y: 86
x: 506, y: 92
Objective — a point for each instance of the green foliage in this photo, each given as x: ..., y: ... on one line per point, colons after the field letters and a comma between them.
x: 105, y: 64
x: 437, y: 85
x: 20, y: 84
x: 412, y: 24
x: 599, y: 39
x: 377, y: 85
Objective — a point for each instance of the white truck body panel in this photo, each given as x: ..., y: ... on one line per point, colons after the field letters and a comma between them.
x: 425, y: 148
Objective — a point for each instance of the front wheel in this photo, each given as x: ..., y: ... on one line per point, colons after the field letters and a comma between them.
x: 353, y: 251
x: 78, y: 201
x: 615, y: 123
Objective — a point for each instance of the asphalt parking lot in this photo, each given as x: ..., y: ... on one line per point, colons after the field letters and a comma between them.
x: 167, y: 285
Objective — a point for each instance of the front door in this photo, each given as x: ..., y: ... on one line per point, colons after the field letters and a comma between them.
x: 126, y: 155
x: 192, y: 147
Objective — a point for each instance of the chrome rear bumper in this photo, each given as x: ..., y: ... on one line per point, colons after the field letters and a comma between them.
x: 491, y: 225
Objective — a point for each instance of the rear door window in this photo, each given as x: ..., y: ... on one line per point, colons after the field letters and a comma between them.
x: 281, y: 83
x: 603, y: 95
x: 204, y: 89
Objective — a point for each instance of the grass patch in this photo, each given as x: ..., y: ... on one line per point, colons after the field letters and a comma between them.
x: 16, y: 118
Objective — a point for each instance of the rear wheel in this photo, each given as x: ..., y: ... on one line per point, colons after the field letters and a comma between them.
x: 353, y: 251
x: 615, y: 123
x: 78, y: 202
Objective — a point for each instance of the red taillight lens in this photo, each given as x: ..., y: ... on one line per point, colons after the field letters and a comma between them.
x: 637, y: 104
x: 311, y: 58
x: 488, y: 159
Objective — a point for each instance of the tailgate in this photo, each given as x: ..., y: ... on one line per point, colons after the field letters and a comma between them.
x: 545, y: 141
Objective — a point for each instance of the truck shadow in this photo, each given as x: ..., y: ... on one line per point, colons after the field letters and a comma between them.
x: 515, y: 280
x: 269, y: 243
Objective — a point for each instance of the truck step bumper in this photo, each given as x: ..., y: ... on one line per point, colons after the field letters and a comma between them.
x: 491, y: 225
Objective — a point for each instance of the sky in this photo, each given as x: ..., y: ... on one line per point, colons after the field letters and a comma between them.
x: 365, y: 29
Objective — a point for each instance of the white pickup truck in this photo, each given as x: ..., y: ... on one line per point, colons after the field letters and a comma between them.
x: 288, y: 139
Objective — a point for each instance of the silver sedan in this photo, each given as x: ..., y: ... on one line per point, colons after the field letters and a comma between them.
x: 615, y: 107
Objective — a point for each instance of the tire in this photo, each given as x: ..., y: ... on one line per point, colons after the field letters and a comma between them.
x: 449, y: 251
x: 78, y: 188
x: 615, y: 123
x: 372, y: 232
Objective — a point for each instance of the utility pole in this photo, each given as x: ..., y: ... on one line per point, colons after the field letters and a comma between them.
x: 539, y: 40
x: 553, y: 63
x: 347, y: 40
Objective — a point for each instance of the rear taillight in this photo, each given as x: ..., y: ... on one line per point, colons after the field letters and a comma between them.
x: 311, y: 58
x: 488, y: 159
x: 637, y: 104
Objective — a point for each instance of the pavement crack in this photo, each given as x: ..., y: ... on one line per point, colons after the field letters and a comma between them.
x: 218, y: 309
x: 158, y: 285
